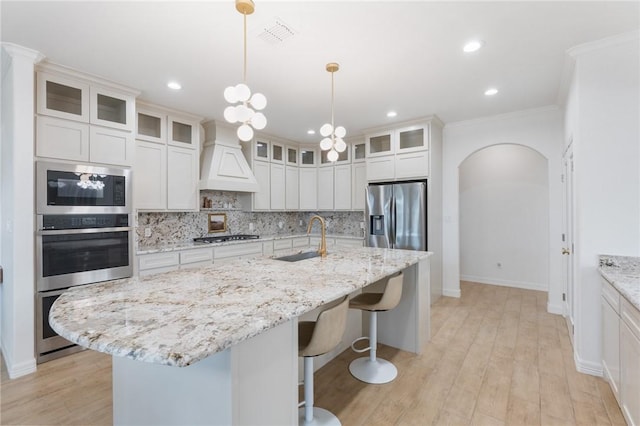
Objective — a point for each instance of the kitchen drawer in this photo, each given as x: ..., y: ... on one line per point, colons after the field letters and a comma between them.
x: 267, y: 248
x: 282, y: 244
x: 196, y: 255
x: 158, y: 260
x: 315, y: 242
x: 631, y: 316
x: 238, y: 250
x: 154, y: 271
x: 611, y: 295
x: 348, y: 242
x: 300, y: 242
x: 196, y: 264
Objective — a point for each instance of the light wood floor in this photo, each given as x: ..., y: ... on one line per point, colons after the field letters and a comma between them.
x: 495, y: 357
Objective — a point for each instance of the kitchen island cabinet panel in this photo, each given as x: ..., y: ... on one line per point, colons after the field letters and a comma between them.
x: 630, y: 372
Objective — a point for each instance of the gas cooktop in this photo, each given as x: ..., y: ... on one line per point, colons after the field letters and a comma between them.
x: 223, y: 238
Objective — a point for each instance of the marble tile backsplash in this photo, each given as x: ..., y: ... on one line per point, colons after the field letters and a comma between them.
x: 170, y: 228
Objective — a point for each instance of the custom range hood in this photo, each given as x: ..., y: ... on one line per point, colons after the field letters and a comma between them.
x: 222, y: 164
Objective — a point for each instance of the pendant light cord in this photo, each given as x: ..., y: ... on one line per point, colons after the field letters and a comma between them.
x: 244, y: 71
x: 332, y: 125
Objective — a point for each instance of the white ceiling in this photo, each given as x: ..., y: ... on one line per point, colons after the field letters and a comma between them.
x: 402, y: 56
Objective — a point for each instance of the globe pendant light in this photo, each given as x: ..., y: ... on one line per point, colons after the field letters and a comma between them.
x: 332, y: 141
x: 245, y: 112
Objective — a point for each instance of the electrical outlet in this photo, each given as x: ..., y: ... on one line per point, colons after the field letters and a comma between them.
x: 361, y: 225
x: 280, y: 224
x: 147, y: 232
x: 499, y: 265
x: 301, y: 224
x: 251, y: 226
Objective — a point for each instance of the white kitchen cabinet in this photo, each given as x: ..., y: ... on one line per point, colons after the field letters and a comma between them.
x: 412, y: 165
x: 261, y: 199
x: 267, y: 248
x: 308, y: 178
x: 277, y: 153
x: 292, y: 188
x: 237, y: 251
x: 358, y: 152
x: 166, y: 173
x: 380, y: 144
x: 259, y: 150
x: 299, y: 242
x: 308, y: 157
x: 381, y: 168
x: 278, y: 186
x: 63, y: 139
x: 342, y: 187
x: 182, y: 179
x: 183, y: 131
x: 358, y: 185
x: 630, y: 362
x: 111, y: 108
x: 325, y: 188
x: 292, y: 156
x: 611, y: 337
x: 412, y: 138
x: 150, y: 184
x: 110, y: 146
x: 151, y: 125
x: 195, y: 258
x: 315, y: 241
x: 283, y: 246
x: 62, y: 97
x: 156, y: 263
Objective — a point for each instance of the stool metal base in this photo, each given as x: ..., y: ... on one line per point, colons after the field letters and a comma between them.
x: 320, y: 417
x: 375, y: 372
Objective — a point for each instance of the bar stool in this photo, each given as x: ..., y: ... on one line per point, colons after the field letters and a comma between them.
x: 317, y: 338
x: 371, y: 369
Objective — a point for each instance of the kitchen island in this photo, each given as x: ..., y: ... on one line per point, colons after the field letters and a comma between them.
x: 233, y: 327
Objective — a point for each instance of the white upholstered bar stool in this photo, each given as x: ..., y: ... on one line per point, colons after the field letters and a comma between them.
x: 317, y: 338
x: 372, y: 369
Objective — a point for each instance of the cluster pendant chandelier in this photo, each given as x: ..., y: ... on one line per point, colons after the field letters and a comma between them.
x: 246, y: 110
x: 332, y: 141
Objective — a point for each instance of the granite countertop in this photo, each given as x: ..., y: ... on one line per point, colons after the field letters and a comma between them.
x: 180, y: 317
x: 623, y: 272
x: 185, y: 245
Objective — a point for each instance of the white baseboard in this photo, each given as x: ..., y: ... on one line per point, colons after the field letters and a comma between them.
x: 451, y: 292
x: 587, y: 367
x: 555, y: 308
x: 505, y: 283
x: 16, y: 370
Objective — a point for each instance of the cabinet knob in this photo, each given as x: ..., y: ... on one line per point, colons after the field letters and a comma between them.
x: 565, y: 251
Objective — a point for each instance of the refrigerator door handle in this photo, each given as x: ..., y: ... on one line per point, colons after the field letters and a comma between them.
x: 392, y: 224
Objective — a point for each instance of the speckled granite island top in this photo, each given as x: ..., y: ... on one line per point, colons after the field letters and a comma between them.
x: 180, y: 317
x: 623, y: 272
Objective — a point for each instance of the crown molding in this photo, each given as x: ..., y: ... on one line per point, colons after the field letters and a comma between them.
x: 615, y: 40
x: 508, y: 115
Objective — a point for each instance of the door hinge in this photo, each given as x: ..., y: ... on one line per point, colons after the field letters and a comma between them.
x: 562, y: 178
x: 564, y: 297
x: 563, y: 238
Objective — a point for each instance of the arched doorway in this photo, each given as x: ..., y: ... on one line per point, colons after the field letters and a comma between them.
x: 504, y: 217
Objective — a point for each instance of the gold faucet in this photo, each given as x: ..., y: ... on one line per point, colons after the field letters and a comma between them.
x: 322, y: 251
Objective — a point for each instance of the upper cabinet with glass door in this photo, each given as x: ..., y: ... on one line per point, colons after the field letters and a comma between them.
x: 277, y: 153
x: 62, y: 97
x: 151, y: 125
x: 292, y: 156
x: 380, y: 144
x: 308, y: 157
x: 183, y: 132
x: 343, y: 157
x: 414, y: 138
x: 79, y: 97
x: 358, y: 152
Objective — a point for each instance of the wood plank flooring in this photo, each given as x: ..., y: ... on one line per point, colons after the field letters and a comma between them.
x: 496, y: 357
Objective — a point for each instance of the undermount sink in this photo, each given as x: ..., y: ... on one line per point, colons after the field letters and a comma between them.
x: 298, y: 256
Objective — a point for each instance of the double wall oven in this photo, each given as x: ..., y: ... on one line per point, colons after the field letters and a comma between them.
x: 84, y: 236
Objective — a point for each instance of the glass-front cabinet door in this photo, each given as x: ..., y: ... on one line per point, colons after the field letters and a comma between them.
x: 343, y: 157
x: 150, y: 125
x: 413, y: 138
x: 182, y: 132
x: 112, y: 109
x: 62, y: 98
x: 261, y: 150
x: 358, y: 152
x: 380, y: 144
x: 277, y: 153
x: 308, y: 157
x: 292, y: 156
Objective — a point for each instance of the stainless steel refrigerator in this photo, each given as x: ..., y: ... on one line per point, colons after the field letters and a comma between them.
x: 396, y: 215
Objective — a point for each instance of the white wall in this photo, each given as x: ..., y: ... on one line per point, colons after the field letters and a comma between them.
x: 504, y: 217
x: 603, y: 119
x: 17, y: 227
x: 539, y: 129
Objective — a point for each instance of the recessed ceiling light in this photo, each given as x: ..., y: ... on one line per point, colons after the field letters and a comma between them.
x: 472, y: 46
x: 311, y: 132
x: 174, y: 85
x: 392, y: 114
x: 490, y: 92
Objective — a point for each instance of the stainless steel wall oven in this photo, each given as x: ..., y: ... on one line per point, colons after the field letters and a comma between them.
x: 83, y: 237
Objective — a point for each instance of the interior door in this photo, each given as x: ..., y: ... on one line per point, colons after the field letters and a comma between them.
x: 567, y: 241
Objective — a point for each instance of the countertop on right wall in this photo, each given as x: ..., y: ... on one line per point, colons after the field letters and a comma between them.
x: 623, y: 272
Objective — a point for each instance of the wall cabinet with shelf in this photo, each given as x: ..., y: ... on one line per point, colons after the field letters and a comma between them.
x: 167, y: 172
